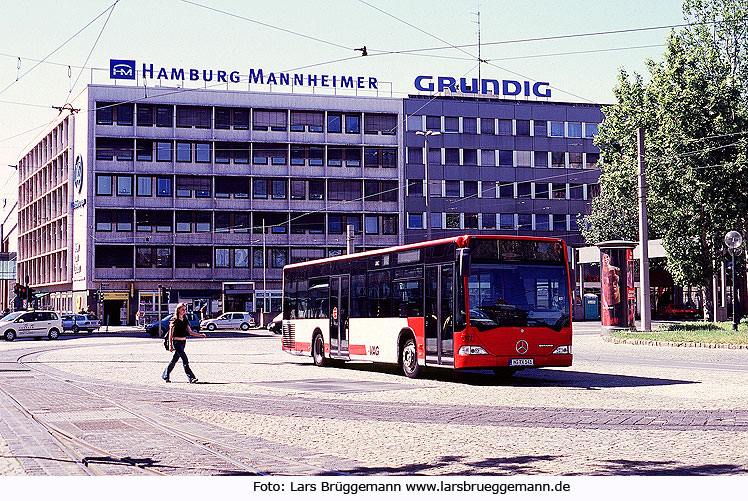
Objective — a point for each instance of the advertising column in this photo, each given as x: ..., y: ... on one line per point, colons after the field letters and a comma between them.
x: 617, y: 285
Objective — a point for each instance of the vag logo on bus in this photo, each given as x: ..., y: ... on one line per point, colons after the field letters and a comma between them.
x: 123, y: 69
x: 522, y: 346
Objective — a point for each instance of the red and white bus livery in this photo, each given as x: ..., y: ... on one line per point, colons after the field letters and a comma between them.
x: 498, y: 302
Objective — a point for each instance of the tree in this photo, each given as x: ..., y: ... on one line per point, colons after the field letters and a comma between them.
x: 693, y: 109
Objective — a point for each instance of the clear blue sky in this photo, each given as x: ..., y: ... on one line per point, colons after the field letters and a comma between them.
x: 182, y: 34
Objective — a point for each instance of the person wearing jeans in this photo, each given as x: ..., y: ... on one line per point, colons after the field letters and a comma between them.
x: 179, y: 329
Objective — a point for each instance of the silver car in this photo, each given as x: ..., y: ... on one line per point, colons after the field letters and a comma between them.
x: 36, y: 324
x: 232, y: 320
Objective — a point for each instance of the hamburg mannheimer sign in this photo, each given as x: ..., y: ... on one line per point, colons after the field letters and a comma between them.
x: 126, y: 69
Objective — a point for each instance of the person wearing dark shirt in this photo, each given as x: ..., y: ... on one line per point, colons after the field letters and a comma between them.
x: 179, y: 329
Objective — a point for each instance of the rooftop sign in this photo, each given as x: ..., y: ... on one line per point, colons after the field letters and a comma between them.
x: 428, y: 83
x: 126, y: 69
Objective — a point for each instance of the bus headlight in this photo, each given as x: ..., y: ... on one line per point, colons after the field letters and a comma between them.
x: 563, y: 350
x: 472, y: 350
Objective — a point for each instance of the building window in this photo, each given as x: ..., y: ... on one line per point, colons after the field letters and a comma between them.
x: 453, y: 221
x: 202, y: 152
x: 163, y: 151
x: 558, y: 160
x: 574, y: 129
x: 506, y: 190
x: 559, y: 191
x: 523, y: 158
x: 145, y: 115
x: 470, y: 189
x: 540, y: 128
x: 506, y: 158
x: 415, y: 187
x: 375, y: 123
x: 279, y: 189
x: 471, y: 220
x: 344, y: 190
x: 193, y: 257
x: 278, y: 257
x: 223, y: 257
x: 232, y: 185
x: 303, y: 155
x: 436, y: 220
x: 163, y: 186
x: 103, y: 220
x: 241, y: 258
x: 469, y: 125
x: 505, y: 127
x: 111, y: 148
x: 275, y: 120
x: 451, y: 156
x: 541, y: 191
x: 592, y: 159
x: 352, y: 124
x: 487, y: 126
x: 143, y: 150
x: 469, y: 157
x: 488, y: 158
x: 104, y: 113
x: 575, y: 160
x: 184, y: 152
x: 103, y: 184
x: 113, y: 256
x: 489, y: 221
x: 524, y: 189
x: 559, y: 222
x: 415, y: 220
x: 258, y: 260
x: 307, y: 120
x: 380, y: 191
x: 313, y: 223
x: 164, y: 116
x: 194, y: 116
x: 524, y: 222
x: 541, y: 222
x: 298, y: 189
x: 316, y: 189
x: 541, y: 158
x: 506, y: 221
x: 451, y: 124
x: 590, y: 130
x: 452, y: 188
x: 334, y: 122
x: 523, y: 127
x: 557, y: 129
x: 389, y: 225
x: 260, y: 188
x: 433, y: 123
x: 576, y: 191
x: 145, y: 186
x: 124, y: 186
x: 143, y: 257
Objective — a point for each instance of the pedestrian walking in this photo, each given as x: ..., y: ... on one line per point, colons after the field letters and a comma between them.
x: 179, y: 329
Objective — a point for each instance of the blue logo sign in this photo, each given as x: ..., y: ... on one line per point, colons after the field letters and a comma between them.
x: 122, y: 69
x: 425, y: 83
x: 78, y: 173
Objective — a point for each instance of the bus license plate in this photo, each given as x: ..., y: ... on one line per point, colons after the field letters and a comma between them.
x: 514, y: 362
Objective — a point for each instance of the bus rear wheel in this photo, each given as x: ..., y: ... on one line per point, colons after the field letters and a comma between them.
x: 318, y: 351
x: 409, y: 358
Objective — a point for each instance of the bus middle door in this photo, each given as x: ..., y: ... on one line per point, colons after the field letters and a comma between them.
x: 438, y: 321
x: 339, y: 308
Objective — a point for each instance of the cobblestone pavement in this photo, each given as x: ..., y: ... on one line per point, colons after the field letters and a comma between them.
x: 619, y: 409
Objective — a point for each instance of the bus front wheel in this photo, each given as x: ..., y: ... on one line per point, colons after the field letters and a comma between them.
x: 318, y: 351
x: 409, y: 358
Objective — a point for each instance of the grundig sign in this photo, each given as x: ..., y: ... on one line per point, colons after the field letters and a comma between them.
x: 428, y: 83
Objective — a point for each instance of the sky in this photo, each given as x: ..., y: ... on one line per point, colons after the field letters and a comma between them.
x: 71, y: 38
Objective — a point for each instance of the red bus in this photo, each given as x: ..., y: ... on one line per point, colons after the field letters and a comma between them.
x: 498, y: 302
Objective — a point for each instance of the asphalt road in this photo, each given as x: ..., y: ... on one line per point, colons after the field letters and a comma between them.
x: 619, y: 410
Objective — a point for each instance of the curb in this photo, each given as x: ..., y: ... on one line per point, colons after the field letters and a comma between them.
x: 676, y: 344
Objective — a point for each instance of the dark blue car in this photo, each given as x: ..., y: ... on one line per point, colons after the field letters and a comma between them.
x: 152, y: 328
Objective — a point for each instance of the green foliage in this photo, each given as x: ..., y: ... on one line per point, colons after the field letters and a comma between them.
x: 693, y: 109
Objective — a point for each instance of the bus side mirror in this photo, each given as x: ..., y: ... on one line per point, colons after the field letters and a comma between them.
x: 463, y: 262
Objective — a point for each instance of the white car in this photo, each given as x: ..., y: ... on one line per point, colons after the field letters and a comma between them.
x: 36, y: 324
x: 231, y: 320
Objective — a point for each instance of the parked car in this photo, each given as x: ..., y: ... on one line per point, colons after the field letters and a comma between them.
x: 673, y: 311
x: 31, y: 323
x: 152, y: 328
x: 80, y: 322
x: 276, y: 324
x: 231, y: 320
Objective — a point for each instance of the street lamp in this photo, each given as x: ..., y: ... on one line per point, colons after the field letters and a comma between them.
x: 426, y: 136
x: 733, y: 240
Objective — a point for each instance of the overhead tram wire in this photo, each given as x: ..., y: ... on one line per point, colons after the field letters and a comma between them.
x: 111, y: 10
x: 58, y: 48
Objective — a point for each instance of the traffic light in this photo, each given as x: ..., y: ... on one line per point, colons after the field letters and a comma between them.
x: 17, y: 289
x: 22, y: 291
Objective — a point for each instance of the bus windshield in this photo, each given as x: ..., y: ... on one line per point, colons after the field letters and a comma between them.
x: 518, y: 295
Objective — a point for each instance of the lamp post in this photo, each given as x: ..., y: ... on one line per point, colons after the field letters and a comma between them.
x: 426, y: 136
x: 733, y: 240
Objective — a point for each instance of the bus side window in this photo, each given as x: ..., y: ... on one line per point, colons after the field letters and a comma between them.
x: 408, y: 298
x: 318, y: 298
x: 359, y: 299
x: 302, y: 298
x: 380, y: 301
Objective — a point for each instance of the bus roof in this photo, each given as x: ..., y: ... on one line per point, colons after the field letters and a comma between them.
x: 460, y: 240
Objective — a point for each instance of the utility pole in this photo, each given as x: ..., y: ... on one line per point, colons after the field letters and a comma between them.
x: 646, y: 310
x: 426, y: 135
x: 349, y: 242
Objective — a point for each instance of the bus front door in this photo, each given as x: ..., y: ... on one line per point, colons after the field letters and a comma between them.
x: 339, y: 308
x: 438, y: 321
